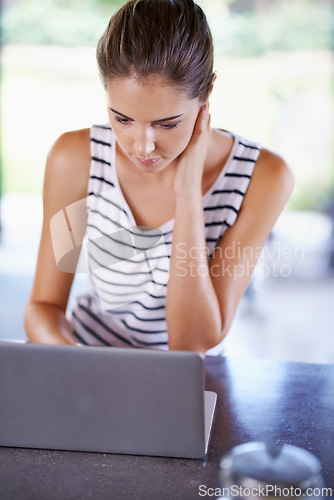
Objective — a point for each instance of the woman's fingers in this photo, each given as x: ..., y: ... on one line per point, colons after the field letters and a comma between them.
x: 203, y: 118
x: 209, y: 121
x: 191, y: 161
x: 202, y: 124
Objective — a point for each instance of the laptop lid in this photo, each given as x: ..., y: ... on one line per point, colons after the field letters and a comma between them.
x: 97, y: 399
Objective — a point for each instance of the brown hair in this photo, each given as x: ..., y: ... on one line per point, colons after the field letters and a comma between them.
x: 170, y: 38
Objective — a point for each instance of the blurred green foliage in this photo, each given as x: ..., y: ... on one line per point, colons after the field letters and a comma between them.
x: 70, y: 23
x: 240, y: 28
x: 271, y: 25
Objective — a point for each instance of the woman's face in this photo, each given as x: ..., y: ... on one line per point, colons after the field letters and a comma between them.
x: 152, y: 121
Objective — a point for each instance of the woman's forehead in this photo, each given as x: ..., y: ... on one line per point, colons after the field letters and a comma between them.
x: 152, y: 93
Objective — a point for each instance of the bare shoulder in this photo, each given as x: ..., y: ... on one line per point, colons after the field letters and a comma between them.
x: 273, y: 169
x: 272, y: 180
x: 68, y: 166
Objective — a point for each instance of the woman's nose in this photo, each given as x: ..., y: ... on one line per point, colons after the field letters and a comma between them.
x: 144, y: 142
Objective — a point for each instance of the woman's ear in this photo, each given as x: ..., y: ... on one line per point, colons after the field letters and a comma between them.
x: 214, y: 77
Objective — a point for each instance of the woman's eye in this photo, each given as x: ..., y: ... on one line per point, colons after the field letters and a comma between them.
x: 121, y: 120
x: 169, y: 126
x: 165, y: 126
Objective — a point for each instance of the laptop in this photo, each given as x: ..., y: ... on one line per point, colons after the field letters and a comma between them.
x: 108, y: 400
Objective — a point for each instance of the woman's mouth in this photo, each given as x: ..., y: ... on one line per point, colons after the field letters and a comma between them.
x: 148, y: 162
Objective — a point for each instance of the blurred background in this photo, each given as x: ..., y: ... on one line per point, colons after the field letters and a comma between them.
x: 274, y: 60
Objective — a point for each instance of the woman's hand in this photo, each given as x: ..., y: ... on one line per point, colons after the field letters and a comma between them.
x: 189, y: 173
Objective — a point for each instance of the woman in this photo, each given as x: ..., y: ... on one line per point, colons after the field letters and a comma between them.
x: 212, y: 197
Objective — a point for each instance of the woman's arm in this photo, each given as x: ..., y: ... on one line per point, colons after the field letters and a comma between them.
x: 193, y: 316
x: 202, y: 295
x: 65, y: 182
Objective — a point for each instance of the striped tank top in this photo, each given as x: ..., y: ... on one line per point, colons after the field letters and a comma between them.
x: 124, y: 302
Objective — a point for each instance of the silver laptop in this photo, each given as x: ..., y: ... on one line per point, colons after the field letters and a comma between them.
x: 98, y: 399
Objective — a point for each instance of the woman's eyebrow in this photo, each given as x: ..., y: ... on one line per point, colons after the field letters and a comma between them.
x: 155, y: 121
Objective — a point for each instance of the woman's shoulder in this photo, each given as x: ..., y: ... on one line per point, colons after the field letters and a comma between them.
x: 71, y: 150
x: 273, y: 168
x: 68, y: 163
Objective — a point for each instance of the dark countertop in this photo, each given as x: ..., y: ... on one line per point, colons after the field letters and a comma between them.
x: 258, y: 400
